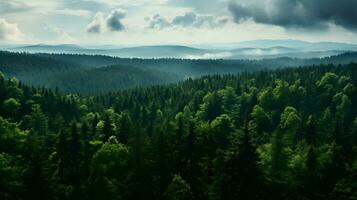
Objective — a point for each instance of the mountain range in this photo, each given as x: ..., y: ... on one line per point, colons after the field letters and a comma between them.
x: 257, y: 49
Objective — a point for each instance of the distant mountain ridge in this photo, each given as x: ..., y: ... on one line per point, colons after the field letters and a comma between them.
x: 298, y: 44
x: 256, y: 49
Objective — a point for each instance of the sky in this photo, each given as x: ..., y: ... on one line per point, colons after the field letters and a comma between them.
x: 154, y: 22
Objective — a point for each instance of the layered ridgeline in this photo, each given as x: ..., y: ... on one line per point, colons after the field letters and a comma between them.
x: 285, y: 134
x: 258, y: 49
x: 98, y: 74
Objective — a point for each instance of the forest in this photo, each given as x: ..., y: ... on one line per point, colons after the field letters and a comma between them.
x: 261, y: 134
x: 91, y: 75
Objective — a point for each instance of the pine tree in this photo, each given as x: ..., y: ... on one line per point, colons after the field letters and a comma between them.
x: 242, y: 179
x: 86, y: 137
x: 178, y: 190
x: 108, y: 128
x: 36, y: 183
x: 75, y: 157
x: 125, y: 127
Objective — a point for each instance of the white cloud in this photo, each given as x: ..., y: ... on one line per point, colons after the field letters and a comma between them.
x: 158, y: 22
x: 13, y: 6
x: 189, y: 19
x: 60, y: 34
x: 202, y: 6
x: 97, y: 24
x: 210, y: 56
x: 10, y: 31
x: 72, y: 12
x: 130, y: 3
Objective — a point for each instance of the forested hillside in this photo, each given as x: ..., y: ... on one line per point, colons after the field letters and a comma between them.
x: 284, y: 134
x: 78, y: 76
x: 87, y: 74
x: 109, y: 78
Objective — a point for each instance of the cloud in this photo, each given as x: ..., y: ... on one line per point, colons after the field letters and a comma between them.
x: 10, y: 31
x: 97, y: 23
x: 59, y: 33
x: 211, y: 21
x: 305, y: 14
x: 111, y: 22
x: 220, y: 55
x: 189, y: 19
x: 13, y: 6
x: 72, y: 12
x: 202, y: 6
x: 158, y: 22
x: 86, y: 5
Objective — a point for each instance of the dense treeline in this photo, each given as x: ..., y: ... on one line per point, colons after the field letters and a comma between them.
x: 286, y: 134
x: 110, y: 78
x: 74, y: 77
x: 199, y: 67
x: 78, y: 73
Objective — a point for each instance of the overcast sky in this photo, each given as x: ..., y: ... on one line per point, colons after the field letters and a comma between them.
x: 139, y: 22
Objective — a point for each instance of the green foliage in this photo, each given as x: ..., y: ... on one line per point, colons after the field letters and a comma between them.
x: 110, y: 160
x: 259, y: 124
x: 178, y: 189
x: 38, y: 120
x: 10, y: 177
x: 285, y: 134
x: 91, y: 75
x: 11, y: 137
x: 211, y: 107
x: 241, y: 178
x: 346, y: 188
x: 11, y: 107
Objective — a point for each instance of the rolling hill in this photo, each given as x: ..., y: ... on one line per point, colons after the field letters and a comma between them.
x: 257, y: 49
x: 88, y: 74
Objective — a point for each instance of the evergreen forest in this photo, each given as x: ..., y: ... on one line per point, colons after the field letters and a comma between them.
x: 96, y: 127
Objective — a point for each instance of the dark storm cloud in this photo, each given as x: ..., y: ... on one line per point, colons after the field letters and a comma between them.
x: 189, y: 19
x: 307, y: 14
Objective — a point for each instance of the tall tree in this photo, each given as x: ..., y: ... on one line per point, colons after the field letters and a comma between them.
x: 242, y: 179
x: 178, y: 190
x: 108, y: 128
